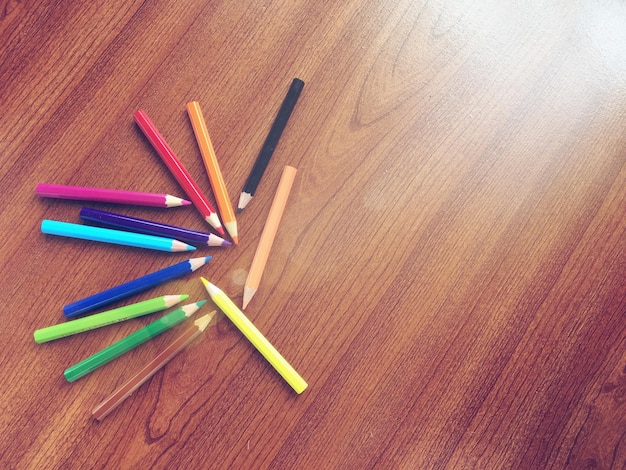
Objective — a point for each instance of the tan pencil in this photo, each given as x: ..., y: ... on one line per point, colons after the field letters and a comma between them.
x: 268, y: 234
x: 126, y: 390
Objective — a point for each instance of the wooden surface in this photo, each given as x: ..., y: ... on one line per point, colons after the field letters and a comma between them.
x: 450, y: 272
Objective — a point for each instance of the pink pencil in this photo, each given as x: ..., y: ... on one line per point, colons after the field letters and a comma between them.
x: 115, y: 196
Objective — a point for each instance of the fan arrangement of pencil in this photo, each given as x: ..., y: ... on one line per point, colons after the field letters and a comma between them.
x: 114, y: 228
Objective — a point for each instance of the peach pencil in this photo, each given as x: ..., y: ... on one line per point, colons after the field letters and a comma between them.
x: 267, y: 236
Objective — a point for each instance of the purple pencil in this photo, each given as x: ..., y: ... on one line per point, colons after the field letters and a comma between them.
x: 150, y: 227
x: 115, y: 196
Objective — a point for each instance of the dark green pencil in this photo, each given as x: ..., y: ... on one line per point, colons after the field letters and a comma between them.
x: 131, y: 341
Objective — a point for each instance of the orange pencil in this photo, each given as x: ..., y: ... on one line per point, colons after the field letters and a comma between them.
x: 213, y: 169
x: 268, y: 234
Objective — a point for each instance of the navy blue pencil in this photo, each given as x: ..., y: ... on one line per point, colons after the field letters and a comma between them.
x: 135, y: 286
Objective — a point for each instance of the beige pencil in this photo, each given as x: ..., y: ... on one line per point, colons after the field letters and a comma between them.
x: 268, y: 234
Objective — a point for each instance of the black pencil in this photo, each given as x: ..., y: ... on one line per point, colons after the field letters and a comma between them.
x: 270, y: 143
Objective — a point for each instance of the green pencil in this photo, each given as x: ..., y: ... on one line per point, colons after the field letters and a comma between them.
x: 107, y: 318
x: 131, y: 341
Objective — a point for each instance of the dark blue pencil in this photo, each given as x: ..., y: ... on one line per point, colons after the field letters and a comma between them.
x: 135, y: 286
x: 149, y: 227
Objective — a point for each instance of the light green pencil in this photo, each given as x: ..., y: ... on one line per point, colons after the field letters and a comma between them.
x: 107, y: 318
x: 131, y: 341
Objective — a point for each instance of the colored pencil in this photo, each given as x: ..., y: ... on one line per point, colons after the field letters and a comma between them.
x: 113, y: 196
x: 107, y: 318
x: 271, y: 141
x: 135, y: 286
x: 213, y: 169
x: 255, y: 337
x: 131, y: 341
x: 267, y: 236
x: 178, y: 170
x: 125, y: 222
x: 116, y: 237
x: 118, y: 396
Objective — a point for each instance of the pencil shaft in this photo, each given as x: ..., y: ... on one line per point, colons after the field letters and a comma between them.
x: 269, y: 233
x: 255, y: 337
x: 135, y: 286
x: 131, y: 341
x: 107, y: 318
x: 178, y: 170
x: 271, y: 142
x: 152, y: 367
x: 116, y: 237
x: 213, y: 169
x: 114, y: 196
x: 149, y: 227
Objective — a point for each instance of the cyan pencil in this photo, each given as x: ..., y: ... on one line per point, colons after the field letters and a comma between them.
x: 116, y: 237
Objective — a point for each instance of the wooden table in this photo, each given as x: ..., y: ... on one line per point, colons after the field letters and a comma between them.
x: 449, y: 275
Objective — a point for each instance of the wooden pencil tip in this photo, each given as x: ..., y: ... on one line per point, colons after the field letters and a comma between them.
x: 170, y: 300
x: 205, y: 320
x: 214, y: 221
x: 199, y: 262
x: 231, y: 228
x: 174, y: 201
x: 178, y: 246
x: 248, y: 293
x: 244, y: 199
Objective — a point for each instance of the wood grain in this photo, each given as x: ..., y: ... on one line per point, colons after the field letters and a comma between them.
x: 449, y: 275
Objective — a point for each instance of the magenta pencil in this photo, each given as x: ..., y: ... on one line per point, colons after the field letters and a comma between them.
x: 114, y: 196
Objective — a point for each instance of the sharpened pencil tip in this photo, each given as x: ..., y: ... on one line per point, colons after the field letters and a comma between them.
x: 248, y: 293
x: 185, y: 202
x: 206, y: 320
x: 244, y: 199
x: 212, y: 289
x: 190, y: 309
x: 171, y: 300
x: 199, y: 262
x: 226, y: 243
x: 214, y: 221
x: 181, y: 246
x: 214, y: 240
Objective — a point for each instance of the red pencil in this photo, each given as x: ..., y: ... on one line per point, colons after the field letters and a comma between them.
x: 178, y: 170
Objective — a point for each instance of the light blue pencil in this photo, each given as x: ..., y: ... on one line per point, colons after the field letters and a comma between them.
x: 118, y: 237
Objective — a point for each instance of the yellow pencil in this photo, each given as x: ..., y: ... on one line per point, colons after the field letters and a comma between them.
x: 255, y: 337
x: 267, y: 236
x: 213, y: 169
